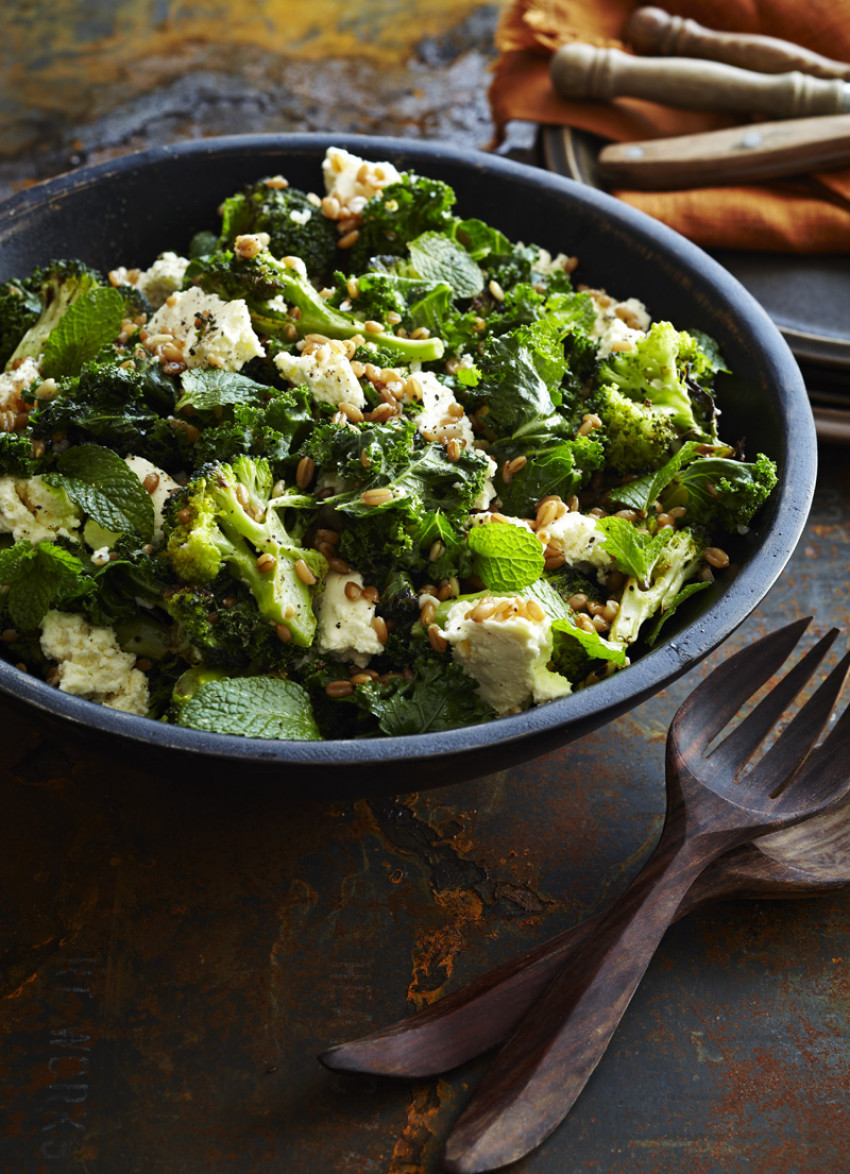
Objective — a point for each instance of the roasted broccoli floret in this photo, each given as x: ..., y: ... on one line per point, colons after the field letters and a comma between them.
x: 674, y: 561
x: 272, y: 289
x: 657, y: 370
x: 229, y: 633
x: 57, y: 286
x: 20, y: 308
x: 295, y: 226
x: 225, y: 519
x: 637, y: 435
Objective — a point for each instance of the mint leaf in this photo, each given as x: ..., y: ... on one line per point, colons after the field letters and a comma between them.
x: 86, y: 326
x: 208, y: 389
x: 436, y: 258
x: 635, y: 552
x: 252, y: 707
x: 106, y: 488
x: 39, y: 577
x: 596, y: 646
x: 505, y: 557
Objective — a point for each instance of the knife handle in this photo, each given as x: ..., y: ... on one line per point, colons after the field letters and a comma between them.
x: 583, y: 71
x: 744, y: 154
x: 651, y: 30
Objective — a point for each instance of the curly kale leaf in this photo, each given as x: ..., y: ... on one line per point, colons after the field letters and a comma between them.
x: 114, y: 405
x: 20, y: 308
x: 440, y: 697
x: 398, y: 214
x: 715, y: 490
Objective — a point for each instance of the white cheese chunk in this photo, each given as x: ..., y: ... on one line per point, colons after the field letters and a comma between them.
x: 618, y: 325
x: 327, y: 373
x: 440, y: 419
x: 507, y: 656
x: 214, y: 333
x: 91, y: 663
x: 34, y: 511
x: 164, y: 487
x: 579, y: 540
x: 163, y: 278
x: 345, y: 628
x: 352, y: 180
x: 12, y: 383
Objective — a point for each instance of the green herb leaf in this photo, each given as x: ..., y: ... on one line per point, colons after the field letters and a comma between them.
x: 689, y: 589
x: 252, y: 707
x: 440, y: 698
x: 106, y: 488
x: 92, y: 322
x: 634, y: 551
x: 436, y: 257
x: 39, y: 577
x: 642, y: 492
x: 596, y: 646
x: 207, y: 389
x: 468, y: 376
x: 506, y: 557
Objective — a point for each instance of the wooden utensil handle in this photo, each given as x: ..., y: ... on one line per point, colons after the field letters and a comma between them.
x: 544, y: 1066
x: 475, y: 1018
x: 745, y: 154
x: 651, y: 30
x: 582, y: 71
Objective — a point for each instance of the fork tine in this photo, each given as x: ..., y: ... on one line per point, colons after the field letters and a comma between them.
x: 710, y: 707
x: 795, y: 742
x: 826, y: 772
x: 744, y: 740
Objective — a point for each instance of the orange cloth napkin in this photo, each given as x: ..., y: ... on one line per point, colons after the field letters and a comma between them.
x: 809, y: 214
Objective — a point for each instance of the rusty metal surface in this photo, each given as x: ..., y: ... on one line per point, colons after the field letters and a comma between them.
x: 173, y: 956
x: 414, y: 69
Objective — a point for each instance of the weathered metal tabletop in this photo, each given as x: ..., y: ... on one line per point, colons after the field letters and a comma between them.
x: 174, y: 956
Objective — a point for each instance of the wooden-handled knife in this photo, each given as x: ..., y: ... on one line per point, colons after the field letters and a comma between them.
x: 743, y: 154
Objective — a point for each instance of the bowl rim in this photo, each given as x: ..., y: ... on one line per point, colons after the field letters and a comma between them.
x: 596, y: 705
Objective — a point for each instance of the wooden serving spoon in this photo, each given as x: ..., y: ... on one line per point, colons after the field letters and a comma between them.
x: 741, y: 154
x: 579, y: 70
x: 803, y: 861
x: 809, y: 858
x: 712, y: 806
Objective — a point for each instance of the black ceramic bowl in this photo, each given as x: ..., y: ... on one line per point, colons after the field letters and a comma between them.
x: 128, y: 211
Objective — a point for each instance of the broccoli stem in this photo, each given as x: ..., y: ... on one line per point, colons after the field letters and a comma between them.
x: 317, y: 317
x: 267, y: 566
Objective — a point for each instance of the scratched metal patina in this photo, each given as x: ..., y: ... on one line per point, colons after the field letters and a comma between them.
x: 81, y: 82
x: 173, y: 956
